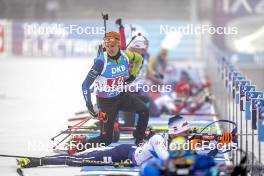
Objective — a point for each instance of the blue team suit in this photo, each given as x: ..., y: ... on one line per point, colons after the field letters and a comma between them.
x: 116, y: 154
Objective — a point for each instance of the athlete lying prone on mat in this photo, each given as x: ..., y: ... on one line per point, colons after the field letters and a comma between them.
x: 156, y: 145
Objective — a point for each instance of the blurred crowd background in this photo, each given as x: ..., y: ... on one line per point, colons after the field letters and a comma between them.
x: 245, y: 47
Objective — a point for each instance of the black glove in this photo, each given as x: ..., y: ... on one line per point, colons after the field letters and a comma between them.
x: 130, y: 79
x: 119, y: 23
x: 91, y: 110
x: 100, y: 50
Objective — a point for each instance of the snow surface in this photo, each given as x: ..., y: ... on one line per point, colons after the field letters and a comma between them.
x: 37, y: 96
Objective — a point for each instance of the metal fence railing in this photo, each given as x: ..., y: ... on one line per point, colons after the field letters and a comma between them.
x: 238, y: 100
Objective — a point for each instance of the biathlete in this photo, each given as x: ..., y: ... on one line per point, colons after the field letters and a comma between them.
x: 180, y: 164
x: 138, y: 44
x: 111, y: 70
x: 157, y: 67
x: 178, y: 101
x: 156, y: 145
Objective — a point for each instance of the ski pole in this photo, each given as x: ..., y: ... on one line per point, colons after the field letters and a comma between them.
x: 80, y: 112
x: 77, y: 118
x: 71, y: 132
x: 133, y: 38
x: 132, y: 29
x: 101, y: 49
x: 68, y: 129
x: 105, y: 18
x: 15, y: 156
x: 198, y: 114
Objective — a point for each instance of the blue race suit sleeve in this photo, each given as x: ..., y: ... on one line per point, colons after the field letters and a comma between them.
x: 151, y: 167
x: 93, y: 73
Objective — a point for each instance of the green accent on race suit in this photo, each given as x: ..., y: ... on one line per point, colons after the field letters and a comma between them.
x: 137, y: 59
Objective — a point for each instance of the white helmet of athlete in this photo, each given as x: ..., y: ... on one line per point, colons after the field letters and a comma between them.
x: 178, y: 126
x: 139, y: 44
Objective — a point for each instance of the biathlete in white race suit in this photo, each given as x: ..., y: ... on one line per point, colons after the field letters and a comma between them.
x: 156, y: 145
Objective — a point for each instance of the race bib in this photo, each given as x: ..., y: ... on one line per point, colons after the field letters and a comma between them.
x: 115, y: 81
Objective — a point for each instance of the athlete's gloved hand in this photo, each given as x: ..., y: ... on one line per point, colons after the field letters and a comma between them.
x: 119, y: 23
x: 130, y: 79
x: 91, y: 110
x: 100, y: 50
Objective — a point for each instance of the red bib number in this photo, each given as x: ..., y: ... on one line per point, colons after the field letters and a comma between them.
x: 115, y: 82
